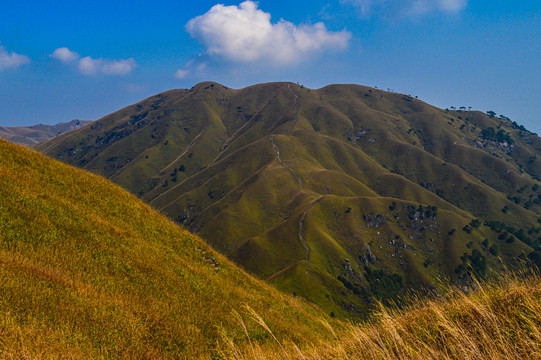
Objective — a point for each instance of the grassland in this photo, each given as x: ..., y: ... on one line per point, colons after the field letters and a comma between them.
x: 337, y: 194
x: 89, y: 271
x: 496, y: 321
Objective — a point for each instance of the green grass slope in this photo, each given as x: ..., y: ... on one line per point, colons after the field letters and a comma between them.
x: 337, y: 194
x: 89, y: 271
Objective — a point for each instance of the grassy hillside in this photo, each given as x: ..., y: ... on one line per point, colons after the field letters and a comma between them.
x: 31, y: 135
x: 89, y: 271
x: 337, y: 194
x: 497, y: 321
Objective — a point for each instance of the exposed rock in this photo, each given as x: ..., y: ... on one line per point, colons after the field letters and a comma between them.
x: 409, y: 247
x: 375, y: 221
x: 368, y: 257
x: 422, y: 218
x: 354, y: 136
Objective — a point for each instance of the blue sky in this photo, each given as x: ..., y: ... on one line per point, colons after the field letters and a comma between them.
x: 61, y: 60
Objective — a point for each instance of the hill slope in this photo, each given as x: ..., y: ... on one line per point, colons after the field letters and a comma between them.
x: 31, y: 135
x: 496, y: 321
x: 89, y: 271
x: 335, y: 194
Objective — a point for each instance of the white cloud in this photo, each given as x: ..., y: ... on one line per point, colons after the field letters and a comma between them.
x: 90, y: 66
x: 181, y: 74
x: 245, y: 33
x: 65, y: 55
x: 409, y: 7
x: 11, y: 60
x: 193, y: 67
x: 117, y: 67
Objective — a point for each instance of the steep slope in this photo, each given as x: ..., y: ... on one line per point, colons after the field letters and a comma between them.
x: 31, y: 135
x: 89, y: 271
x: 336, y: 194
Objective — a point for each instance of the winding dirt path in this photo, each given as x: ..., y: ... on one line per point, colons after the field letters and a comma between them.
x: 301, y: 239
x: 293, y: 172
x: 295, y: 107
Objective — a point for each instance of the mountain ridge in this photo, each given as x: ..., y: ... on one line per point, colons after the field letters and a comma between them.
x: 291, y: 182
x: 31, y: 135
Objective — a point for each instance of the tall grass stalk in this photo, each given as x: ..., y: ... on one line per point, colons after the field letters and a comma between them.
x: 495, y: 321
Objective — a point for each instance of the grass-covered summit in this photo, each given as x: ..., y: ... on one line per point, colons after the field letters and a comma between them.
x: 337, y: 194
x: 89, y: 271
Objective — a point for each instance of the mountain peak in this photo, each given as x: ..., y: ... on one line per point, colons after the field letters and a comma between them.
x: 291, y: 182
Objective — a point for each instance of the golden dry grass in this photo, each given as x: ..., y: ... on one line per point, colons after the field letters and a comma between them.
x: 496, y: 321
x: 89, y: 271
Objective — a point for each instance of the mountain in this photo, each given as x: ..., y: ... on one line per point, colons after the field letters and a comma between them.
x: 31, y: 135
x: 339, y: 194
x: 89, y: 271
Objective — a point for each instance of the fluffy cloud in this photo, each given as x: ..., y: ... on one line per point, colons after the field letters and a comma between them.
x: 65, y: 55
x: 245, y: 33
x: 409, y: 7
x: 11, y: 60
x: 91, y: 66
x: 181, y: 74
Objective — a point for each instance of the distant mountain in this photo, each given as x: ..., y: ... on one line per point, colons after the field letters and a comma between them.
x: 31, y: 135
x: 88, y: 271
x: 337, y: 194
